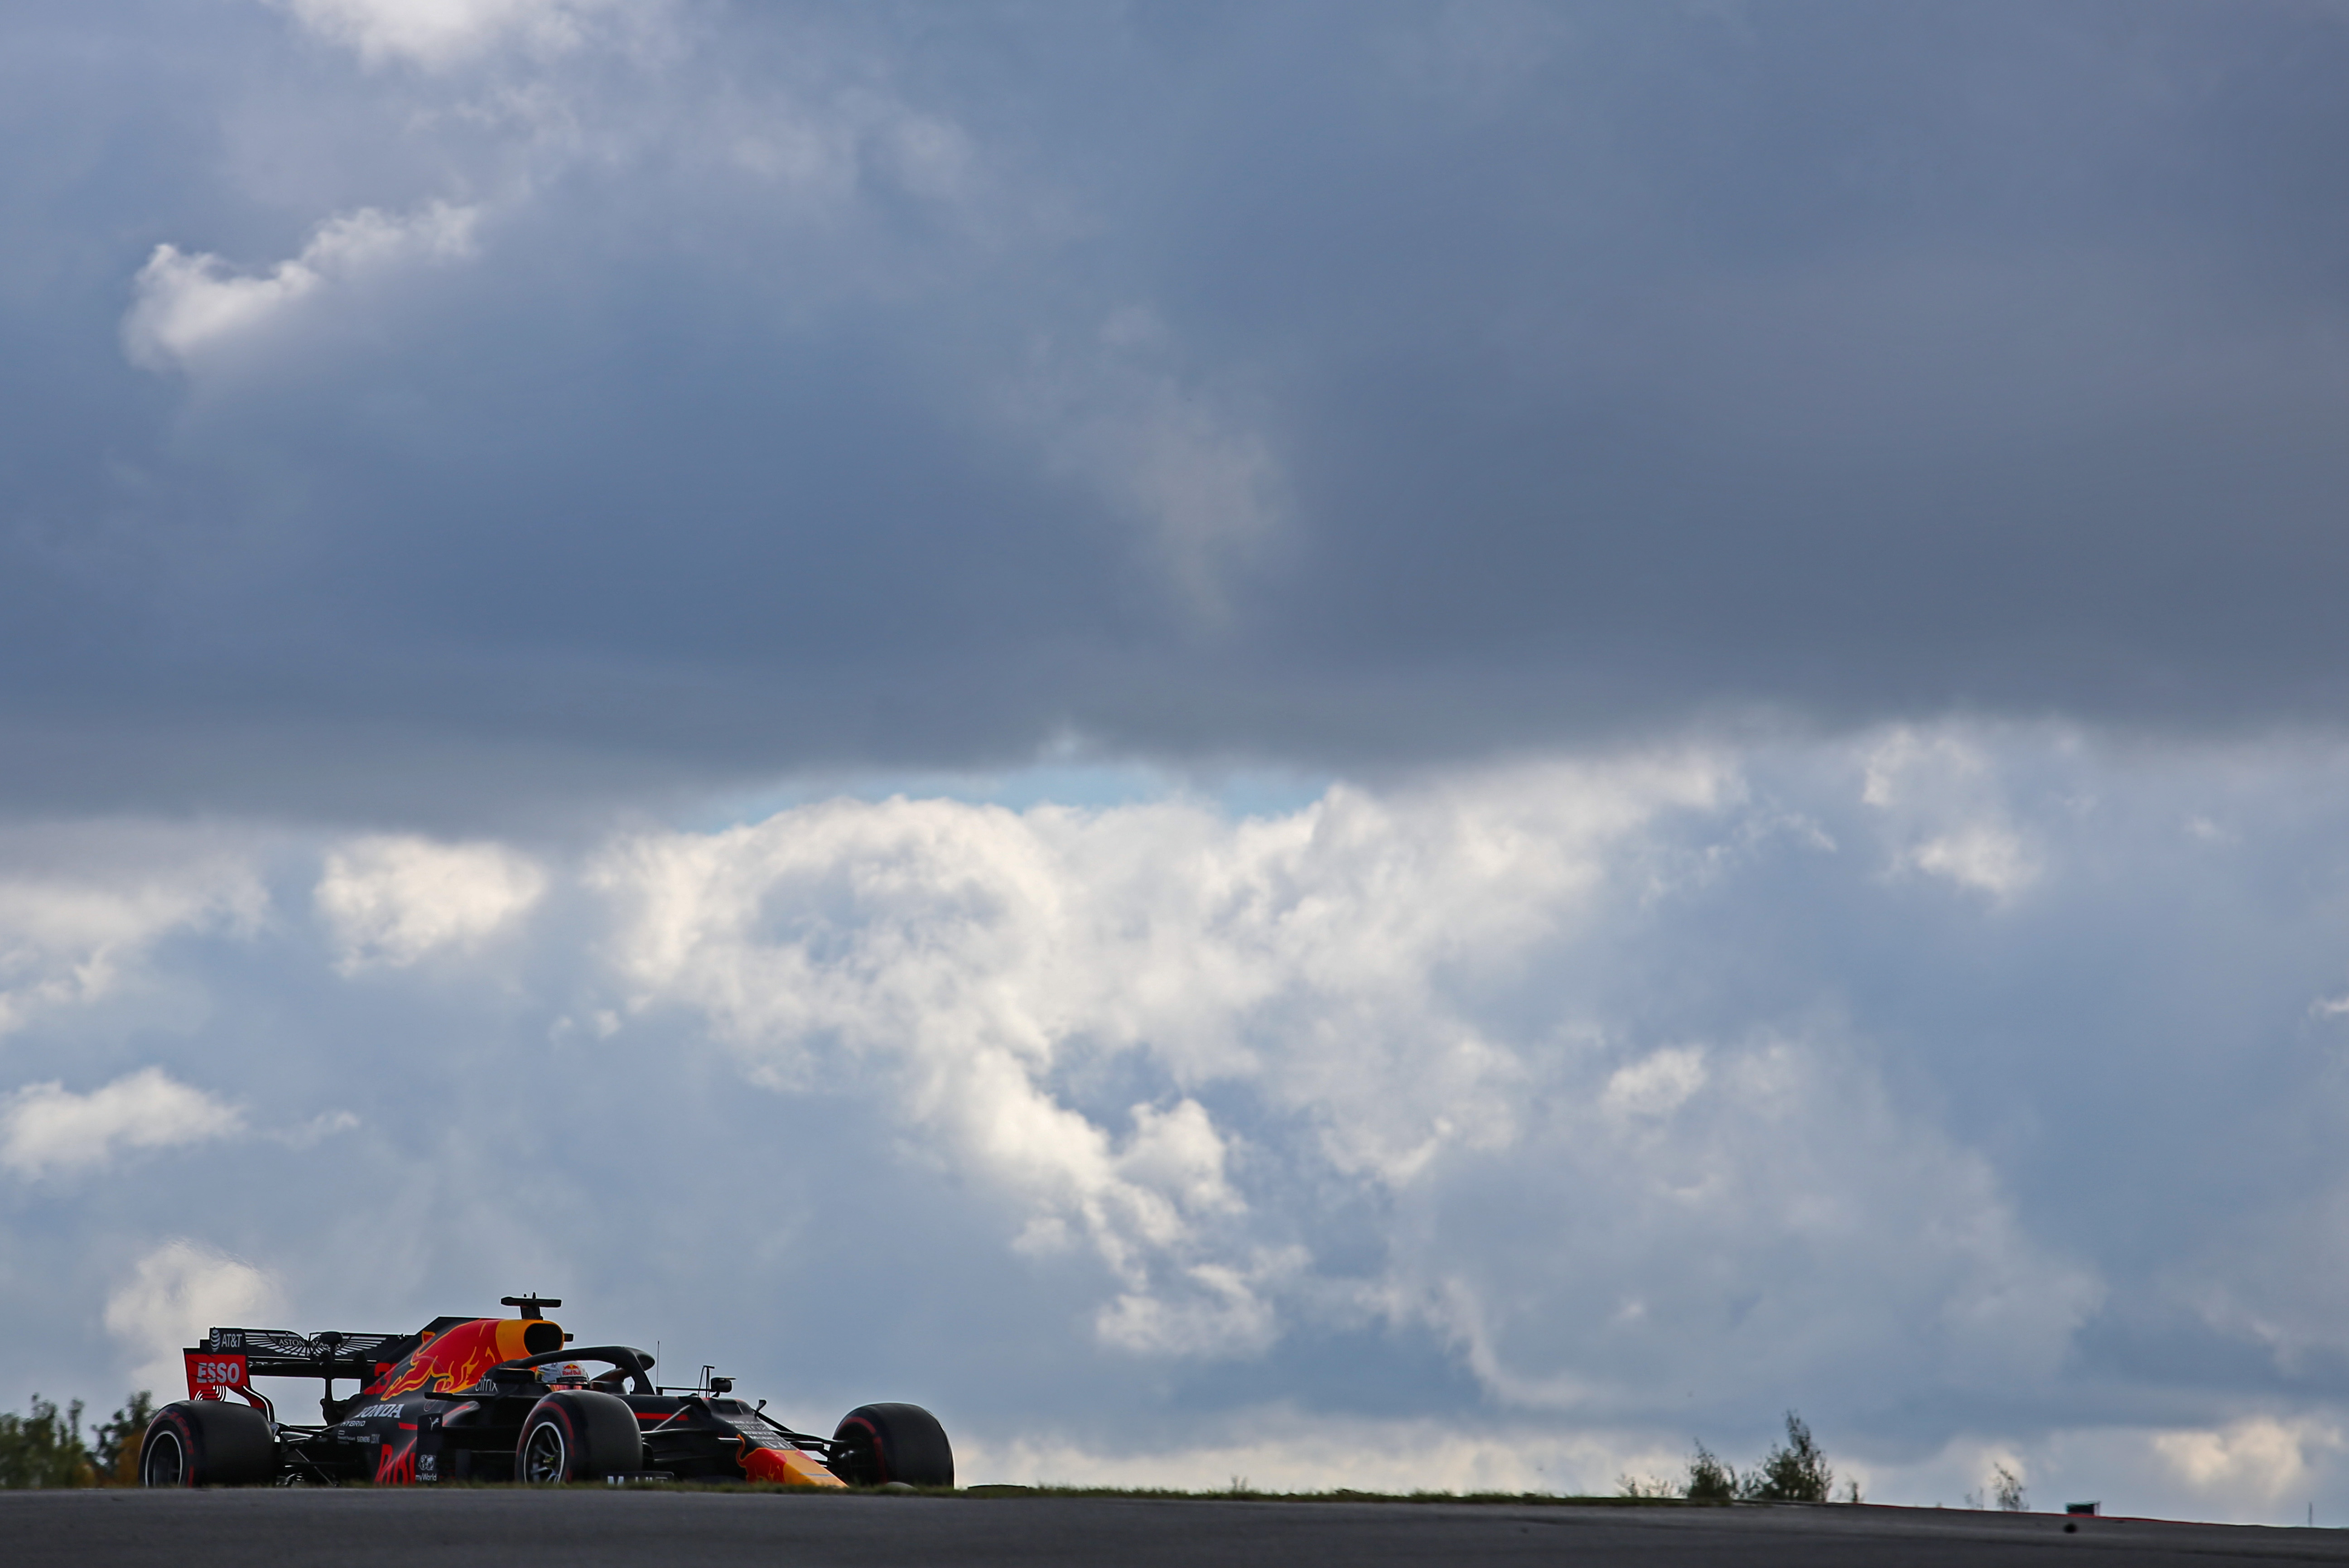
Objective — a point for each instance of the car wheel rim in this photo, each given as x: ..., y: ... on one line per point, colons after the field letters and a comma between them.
x: 165, y: 1466
x: 543, y: 1461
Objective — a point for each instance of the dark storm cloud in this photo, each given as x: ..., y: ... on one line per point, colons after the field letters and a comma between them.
x: 1330, y: 384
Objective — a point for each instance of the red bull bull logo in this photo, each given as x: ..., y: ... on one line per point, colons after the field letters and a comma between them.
x: 457, y: 1357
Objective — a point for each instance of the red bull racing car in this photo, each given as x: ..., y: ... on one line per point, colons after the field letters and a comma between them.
x: 505, y: 1399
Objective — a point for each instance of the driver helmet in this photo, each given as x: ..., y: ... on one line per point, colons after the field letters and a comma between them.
x: 563, y: 1375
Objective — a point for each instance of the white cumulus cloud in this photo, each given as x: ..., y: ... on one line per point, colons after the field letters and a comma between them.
x: 970, y: 952
x: 1527, y: 1074
x: 2262, y: 1456
x: 186, y: 303
x: 1656, y: 1085
x: 1987, y: 858
x: 174, y: 1294
x: 1942, y: 795
x: 46, y: 1127
x: 391, y: 899
x: 68, y: 937
x: 1860, y: 1242
x: 1336, y: 962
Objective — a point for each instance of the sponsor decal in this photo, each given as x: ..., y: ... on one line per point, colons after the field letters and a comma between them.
x: 397, y: 1465
x: 216, y: 1371
x: 208, y: 1374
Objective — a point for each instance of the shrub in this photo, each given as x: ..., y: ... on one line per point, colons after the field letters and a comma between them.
x: 114, y: 1445
x: 1710, y: 1481
x: 1630, y: 1485
x: 42, y: 1449
x: 1792, y: 1471
x: 2007, y: 1488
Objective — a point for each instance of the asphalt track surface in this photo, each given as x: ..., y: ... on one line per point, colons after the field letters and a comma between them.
x: 584, y: 1528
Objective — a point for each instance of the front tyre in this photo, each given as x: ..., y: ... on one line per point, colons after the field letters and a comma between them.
x: 876, y: 1444
x: 578, y: 1435
x: 207, y: 1442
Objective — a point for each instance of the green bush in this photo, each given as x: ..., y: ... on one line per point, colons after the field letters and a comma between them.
x: 1709, y: 1481
x: 114, y: 1446
x: 1792, y: 1471
x: 45, y: 1448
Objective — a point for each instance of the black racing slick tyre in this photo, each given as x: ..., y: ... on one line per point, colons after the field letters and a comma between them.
x: 877, y: 1444
x: 578, y: 1435
x: 207, y: 1442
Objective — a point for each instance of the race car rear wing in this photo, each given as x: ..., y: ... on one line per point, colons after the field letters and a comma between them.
x: 230, y: 1358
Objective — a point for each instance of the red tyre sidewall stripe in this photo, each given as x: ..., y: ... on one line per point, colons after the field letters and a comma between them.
x: 185, y: 1430
x: 570, y: 1438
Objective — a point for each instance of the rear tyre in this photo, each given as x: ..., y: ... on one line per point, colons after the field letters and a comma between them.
x: 207, y: 1442
x: 578, y: 1435
x: 878, y: 1444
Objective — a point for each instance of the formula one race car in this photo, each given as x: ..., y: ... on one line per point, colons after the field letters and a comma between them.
x: 505, y: 1399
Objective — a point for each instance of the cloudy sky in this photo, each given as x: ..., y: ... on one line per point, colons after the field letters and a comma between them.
x: 1356, y: 745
